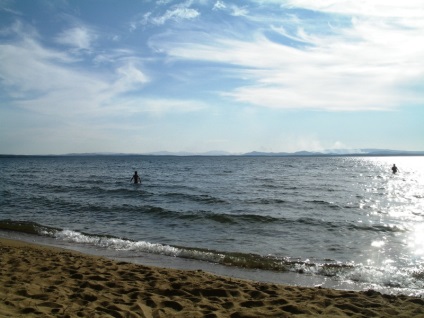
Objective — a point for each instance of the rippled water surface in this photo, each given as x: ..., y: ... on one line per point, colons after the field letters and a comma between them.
x: 348, y: 218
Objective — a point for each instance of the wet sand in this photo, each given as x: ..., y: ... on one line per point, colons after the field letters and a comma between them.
x: 40, y: 281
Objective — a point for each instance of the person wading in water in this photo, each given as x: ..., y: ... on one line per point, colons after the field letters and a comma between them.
x: 394, y: 169
x: 136, y: 178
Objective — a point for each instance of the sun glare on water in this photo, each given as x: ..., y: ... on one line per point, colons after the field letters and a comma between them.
x: 416, y: 241
x: 401, y: 203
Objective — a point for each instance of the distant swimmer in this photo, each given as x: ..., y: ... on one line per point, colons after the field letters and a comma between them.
x: 136, y: 178
x: 394, y: 169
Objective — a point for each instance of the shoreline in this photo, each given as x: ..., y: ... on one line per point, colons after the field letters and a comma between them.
x: 44, y: 281
x: 164, y: 261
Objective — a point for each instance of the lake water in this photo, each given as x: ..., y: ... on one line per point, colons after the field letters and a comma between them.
x: 339, y: 222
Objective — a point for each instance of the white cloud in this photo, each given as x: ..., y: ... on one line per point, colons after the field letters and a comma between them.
x: 361, y: 66
x: 219, y: 5
x: 232, y: 9
x: 239, y: 11
x: 374, y: 8
x: 177, y: 13
x: 79, y: 38
x: 45, y: 81
x: 29, y: 69
x: 129, y: 78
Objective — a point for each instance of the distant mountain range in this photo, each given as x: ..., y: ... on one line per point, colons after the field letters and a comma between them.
x: 330, y: 152
x: 341, y: 152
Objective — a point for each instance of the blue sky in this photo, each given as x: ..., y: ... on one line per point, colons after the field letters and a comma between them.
x: 142, y: 76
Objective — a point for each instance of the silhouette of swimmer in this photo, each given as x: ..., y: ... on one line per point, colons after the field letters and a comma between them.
x: 394, y: 169
x: 136, y: 178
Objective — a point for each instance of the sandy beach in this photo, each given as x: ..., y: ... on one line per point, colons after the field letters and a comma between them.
x: 39, y: 281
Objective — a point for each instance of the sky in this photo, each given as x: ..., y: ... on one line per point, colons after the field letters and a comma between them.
x: 140, y: 76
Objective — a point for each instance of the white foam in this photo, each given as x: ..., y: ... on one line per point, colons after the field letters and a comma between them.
x: 388, y: 275
x: 138, y: 246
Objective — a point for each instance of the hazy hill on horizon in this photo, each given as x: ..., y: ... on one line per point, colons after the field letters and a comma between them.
x: 329, y: 152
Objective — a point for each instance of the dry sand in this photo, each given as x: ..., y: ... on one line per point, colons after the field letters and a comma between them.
x: 38, y: 281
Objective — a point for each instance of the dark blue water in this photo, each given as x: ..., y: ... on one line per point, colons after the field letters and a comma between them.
x: 348, y: 219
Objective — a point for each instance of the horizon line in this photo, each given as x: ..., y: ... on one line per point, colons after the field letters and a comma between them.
x: 328, y: 152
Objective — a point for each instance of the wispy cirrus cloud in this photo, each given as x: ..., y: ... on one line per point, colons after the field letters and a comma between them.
x: 375, y: 8
x: 232, y: 9
x: 158, y: 16
x: 78, y: 38
x: 362, y: 64
x: 47, y: 81
x: 176, y: 14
